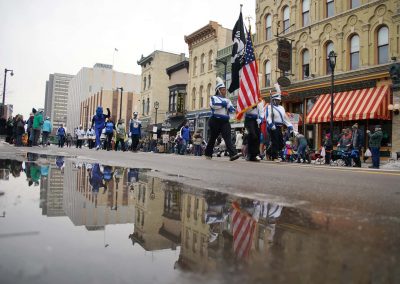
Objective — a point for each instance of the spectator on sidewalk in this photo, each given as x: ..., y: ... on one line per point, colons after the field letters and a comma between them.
x: 46, y: 130
x: 37, y: 126
x: 375, y: 140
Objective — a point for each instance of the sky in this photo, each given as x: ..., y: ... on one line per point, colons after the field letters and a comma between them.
x: 41, y: 37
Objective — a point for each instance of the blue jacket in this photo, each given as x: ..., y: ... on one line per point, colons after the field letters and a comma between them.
x: 135, y: 127
x: 99, y: 118
x: 185, y: 133
x: 47, y: 127
x: 61, y: 131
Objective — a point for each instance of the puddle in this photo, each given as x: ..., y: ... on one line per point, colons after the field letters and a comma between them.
x: 81, y: 222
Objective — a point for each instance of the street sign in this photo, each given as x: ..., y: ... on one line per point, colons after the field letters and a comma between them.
x: 284, y: 55
x: 284, y: 81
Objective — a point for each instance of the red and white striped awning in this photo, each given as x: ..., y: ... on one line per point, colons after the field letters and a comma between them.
x: 371, y: 103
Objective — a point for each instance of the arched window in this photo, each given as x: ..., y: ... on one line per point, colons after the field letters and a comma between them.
x: 383, y: 45
x: 194, y: 98
x: 149, y: 80
x: 268, y: 27
x: 202, y: 63
x: 210, y: 60
x: 305, y: 64
x: 330, y: 8
x: 306, y: 12
x: 148, y: 106
x: 354, y: 52
x: 208, y: 94
x: 268, y: 73
x: 201, y: 99
x: 354, y: 4
x: 144, y: 83
x: 286, y: 21
x: 195, y: 66
x: 143, y: 106
x: 328, y: 49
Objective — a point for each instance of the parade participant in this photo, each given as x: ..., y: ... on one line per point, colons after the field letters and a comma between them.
x: 219, y: 121
x: 46, y: 129
x: 357, y: 144
x: 276, y: 118
x: 252, y: 120
x: 121, y: 132
x: 80, y: 136
x: 61, y: 136
x: 98, y: 121
x: 185, y: 134
x: 29, y: 129
x: 135, y: 126
x: 375, y: 140
x: 90, y: 134
x: 109, y: 133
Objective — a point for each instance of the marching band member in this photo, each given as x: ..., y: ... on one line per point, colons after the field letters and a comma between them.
x: 276, y: 118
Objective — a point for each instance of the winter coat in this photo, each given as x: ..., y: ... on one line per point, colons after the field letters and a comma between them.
x: 61, y: 132
x: 375, y: 139
x: 37, y: 120
x: 185, y: 133
x: 197, y: 139
x: 47, y: 126
x: 121, y: 132
x: 20, y: 127
x: 357, y: 139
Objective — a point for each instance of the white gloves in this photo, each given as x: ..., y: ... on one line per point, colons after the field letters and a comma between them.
x: 273, y: 127
x: 258, y: 121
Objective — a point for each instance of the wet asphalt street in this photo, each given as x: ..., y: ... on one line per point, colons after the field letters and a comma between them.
x: 361, y: 193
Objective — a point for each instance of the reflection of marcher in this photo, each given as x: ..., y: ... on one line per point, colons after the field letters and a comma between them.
x: 275, y: 120
x: 98, y: 122
x: 96, y: 177
x: 375, y: 140
x: 219, y: 121
x: 135, y: 127
x: 60, y: 162
x: 35, y: 173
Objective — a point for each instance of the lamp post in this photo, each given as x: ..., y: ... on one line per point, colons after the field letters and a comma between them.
x: 4, y: 89
x: 120, y: 103
x: 156, y: 106
x: 332, y: 63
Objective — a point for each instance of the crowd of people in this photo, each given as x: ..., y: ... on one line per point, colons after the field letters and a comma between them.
x: 267, y: 134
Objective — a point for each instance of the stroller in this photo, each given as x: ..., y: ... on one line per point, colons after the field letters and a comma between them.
x: 342, y: 157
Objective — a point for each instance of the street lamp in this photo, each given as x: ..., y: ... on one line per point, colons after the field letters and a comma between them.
x: 332, y: 63
x: 4, y: 89
x: 120, y: 103
x: 156, y: 106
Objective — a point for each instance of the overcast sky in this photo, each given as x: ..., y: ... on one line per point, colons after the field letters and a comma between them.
x: 41, y: 37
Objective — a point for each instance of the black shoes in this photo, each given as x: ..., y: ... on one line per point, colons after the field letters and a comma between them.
x: 234, y: 157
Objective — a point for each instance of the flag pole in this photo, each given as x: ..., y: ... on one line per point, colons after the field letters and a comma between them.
x: 241, y: 5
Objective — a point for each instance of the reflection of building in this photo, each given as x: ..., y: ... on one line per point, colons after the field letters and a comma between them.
x: 111, y: 204
x: 149, y: 211
x: 51, y: 192
x: 203, y: 46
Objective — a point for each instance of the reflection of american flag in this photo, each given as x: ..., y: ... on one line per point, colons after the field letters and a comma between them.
x: 249, y: 94
x: 243, y: 226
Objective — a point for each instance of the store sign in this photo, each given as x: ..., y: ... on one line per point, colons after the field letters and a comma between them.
x: 284, y: 55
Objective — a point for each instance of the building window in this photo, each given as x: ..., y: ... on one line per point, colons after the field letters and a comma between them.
x: 268, y: 73
x: 195, y: 66
x: 210, y: 60
x: 306, y: 13
x: 143, y: 106
x: 286, y: 21
x: 202, y: 63
x: 354, y: 4
x: 149, y: 81
x: 208, y: 94
x: 330, y: 8
x: 268, y: 27
x: 305, y: 66
x: 148, y: 106
x: 201, y: 102
x: 144, y: 83
x: 328, y: 49
x: 194, y: 98
x: 354, y: 52
x: 383, y: 45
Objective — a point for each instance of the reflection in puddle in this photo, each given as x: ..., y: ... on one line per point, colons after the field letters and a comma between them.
x: 193, y: 235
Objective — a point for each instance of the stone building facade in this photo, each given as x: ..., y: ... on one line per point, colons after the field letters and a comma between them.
x: 364, y: 34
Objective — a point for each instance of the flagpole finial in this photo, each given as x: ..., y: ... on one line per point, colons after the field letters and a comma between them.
x: 241, y: 5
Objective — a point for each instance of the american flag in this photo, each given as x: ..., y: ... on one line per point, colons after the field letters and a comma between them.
x: 243, y: 226
x: 249, y: 92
